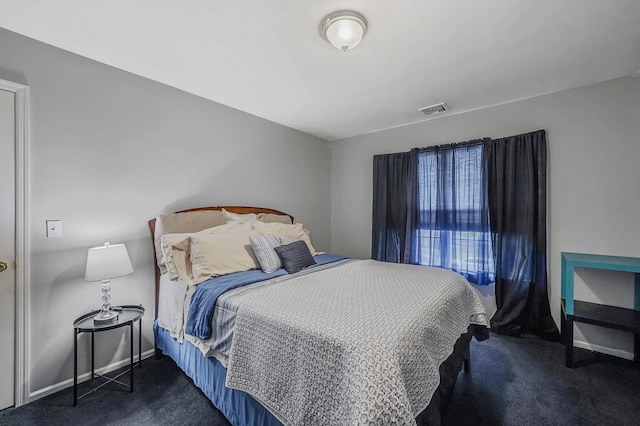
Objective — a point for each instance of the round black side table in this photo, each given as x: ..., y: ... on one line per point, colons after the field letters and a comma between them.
x: 128, y: 314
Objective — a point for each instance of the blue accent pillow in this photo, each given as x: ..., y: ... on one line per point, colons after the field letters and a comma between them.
x: 263, y: 247
x: 295, y: 256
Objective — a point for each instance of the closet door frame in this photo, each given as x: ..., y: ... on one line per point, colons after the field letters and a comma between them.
x: 22, y: 137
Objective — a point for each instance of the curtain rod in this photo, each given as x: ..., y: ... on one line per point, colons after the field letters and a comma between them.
x: 467, y: 143
x: 453, y: 145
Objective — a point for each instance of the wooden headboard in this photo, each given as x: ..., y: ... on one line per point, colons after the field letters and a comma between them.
x: 232, y: 209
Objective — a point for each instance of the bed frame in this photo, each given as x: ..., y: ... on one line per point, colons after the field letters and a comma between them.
x: 460, y: 358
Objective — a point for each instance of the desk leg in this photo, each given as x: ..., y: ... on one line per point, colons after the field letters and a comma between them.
x: 563, y: 337
x: 131, y: 359
x: 75, y: 367
x: 568, y: 333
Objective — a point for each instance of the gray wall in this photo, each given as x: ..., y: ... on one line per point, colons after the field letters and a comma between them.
x: 593, y: 177
x: 111, y: 150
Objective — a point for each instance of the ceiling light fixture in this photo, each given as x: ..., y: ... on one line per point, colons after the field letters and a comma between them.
x: 344, y: 29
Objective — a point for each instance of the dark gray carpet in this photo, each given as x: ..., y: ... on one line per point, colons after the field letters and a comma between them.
x: 512, y: 382
x: 162, y: 395
x: 524, y: 382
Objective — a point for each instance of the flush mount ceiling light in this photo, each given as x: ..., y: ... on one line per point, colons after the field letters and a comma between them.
x: 344, y: 29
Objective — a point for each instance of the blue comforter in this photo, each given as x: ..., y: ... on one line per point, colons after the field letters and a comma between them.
x: 204, y: 298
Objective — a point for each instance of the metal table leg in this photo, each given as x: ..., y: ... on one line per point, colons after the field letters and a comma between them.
x: 75, y: 367
x: 93, y: 370
x: 140, y: 343
x: 131, y: 359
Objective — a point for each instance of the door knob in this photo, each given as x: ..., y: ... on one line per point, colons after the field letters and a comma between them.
x: 3, y: 265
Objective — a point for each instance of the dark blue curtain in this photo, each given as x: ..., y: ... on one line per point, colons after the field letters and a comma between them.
x: 453, y: 226
x: 394, y: 206
x: 517, y: 186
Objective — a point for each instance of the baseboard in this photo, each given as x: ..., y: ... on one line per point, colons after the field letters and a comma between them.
x: 83, y: 377
x: 603, y: 349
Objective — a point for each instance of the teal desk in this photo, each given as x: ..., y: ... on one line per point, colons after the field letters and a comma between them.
x: 594, y: 313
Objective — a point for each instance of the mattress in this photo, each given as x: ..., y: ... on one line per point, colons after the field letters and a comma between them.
x: 276, y: 314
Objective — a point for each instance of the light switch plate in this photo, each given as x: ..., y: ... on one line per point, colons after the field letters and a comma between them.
x: 54, y: 228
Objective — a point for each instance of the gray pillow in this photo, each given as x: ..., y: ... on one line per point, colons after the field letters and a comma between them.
x: 263, y: 247
x: 295, y: 256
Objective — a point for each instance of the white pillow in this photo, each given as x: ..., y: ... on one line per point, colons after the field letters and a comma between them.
x: 271, y: 217
x: 173, y: 223
x: 263, y: 247
x: 173, y: 244
x: 236, y: 217
x: 221, y: 254
x: 286, y: 233
x: 167, y: 243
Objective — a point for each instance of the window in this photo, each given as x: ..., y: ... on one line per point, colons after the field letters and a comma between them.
x: 453, y: 226
x: 476, y: 207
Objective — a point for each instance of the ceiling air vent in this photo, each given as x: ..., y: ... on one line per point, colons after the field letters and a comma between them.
x: 434, y: 109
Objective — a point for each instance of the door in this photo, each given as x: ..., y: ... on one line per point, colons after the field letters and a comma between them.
x: 7, y: 248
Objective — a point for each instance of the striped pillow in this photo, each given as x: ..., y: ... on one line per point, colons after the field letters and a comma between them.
x: 295, y: 256
x: 263, y: 247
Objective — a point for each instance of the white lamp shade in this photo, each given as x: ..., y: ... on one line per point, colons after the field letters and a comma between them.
x: 108, y: 261
x: 344, y: 29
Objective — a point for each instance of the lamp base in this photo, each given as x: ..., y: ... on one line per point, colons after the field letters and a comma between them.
x: 105, y: 317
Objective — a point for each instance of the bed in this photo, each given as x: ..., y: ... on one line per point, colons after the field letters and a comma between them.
x: 332, y: 342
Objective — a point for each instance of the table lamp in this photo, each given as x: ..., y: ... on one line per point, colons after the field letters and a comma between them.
x: 103, y: 263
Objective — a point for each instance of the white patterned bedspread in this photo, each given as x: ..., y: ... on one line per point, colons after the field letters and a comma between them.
x: 226, y: 308
x: 360, y: 343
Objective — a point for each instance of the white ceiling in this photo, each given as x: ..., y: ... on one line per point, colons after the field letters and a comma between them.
x: 266, y: 57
